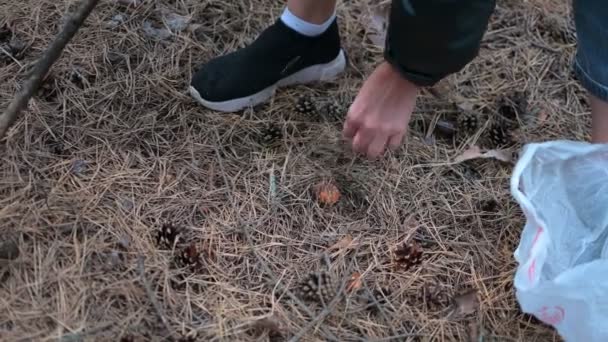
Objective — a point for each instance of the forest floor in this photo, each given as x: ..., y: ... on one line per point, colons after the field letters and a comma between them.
x: 113, y: 151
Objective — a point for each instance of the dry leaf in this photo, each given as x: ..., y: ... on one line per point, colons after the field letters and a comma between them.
x: 471, y: 153
x: 465, y: 303
x: 155, y: 33
x: 343, y: 243
x: 176, y: 22
x: 475, y: 152
x: 502, y: 155
x: 354, y: 283
x: 379, y: 24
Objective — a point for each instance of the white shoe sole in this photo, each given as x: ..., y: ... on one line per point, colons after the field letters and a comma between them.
x: 320, y: 72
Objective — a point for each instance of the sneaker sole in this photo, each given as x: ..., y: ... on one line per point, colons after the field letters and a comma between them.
x: 319, y: 72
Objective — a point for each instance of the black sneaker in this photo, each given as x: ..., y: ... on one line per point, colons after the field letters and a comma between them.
x: 279, y: 57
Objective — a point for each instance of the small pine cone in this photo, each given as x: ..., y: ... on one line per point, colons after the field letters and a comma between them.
x: 513, y: 107
x: 56, y: 146
x: 5, y: 32
x: 189, y: 256
x: 435, y: 297
x: 76, y: 76
x: 271, y: 134
x: 167, y: 235
x: 318, y: 287
x: 306, y: 105
x: 468, y: 123
x: 408, y: 255
x: 47, y: 90
x: 499, y: 136
x: 380, y: 296
x: 333, y: 111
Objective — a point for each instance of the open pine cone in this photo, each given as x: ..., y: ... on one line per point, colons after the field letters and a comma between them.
x: 270, y: 135
x: 333, y: 111
x: 434, y: 297
x: 513, y: 107
x: 408, y: 255
x: 190, y: 256
x: 306, y: 105
x: 499, y: 136
x: 468, y: 123
x: 167, y: 235
x: 318, y: 287
x: 380, y: 296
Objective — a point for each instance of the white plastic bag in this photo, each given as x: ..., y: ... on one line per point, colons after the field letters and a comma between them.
x: 562, y: 276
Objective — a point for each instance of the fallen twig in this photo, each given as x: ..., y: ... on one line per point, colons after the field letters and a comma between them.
x: 159, y: 311
x: 45, y: 62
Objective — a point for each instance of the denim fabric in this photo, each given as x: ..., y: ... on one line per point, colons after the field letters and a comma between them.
x: 591, y: 61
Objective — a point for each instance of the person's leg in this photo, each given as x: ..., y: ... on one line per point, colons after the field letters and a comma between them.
x: 313, y: 11
x: 302, y: 46
x: 591, y: 63
x: 599, y: 111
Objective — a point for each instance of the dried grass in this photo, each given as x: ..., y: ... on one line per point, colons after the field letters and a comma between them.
x: 89, y: 174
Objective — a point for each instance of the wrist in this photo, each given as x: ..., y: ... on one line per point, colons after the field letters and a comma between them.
x: 397, y: 78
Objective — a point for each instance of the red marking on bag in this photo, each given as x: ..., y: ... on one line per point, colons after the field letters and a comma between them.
x: 552, y: 316
x: 532, y: 270
x: 539, y: 231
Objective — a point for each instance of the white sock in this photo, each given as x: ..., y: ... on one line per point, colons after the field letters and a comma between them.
x: 304, y: 27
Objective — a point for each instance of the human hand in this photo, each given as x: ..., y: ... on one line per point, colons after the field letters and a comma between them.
x: 381, y: 112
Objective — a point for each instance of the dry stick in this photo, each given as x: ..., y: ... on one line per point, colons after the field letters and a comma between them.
x: 245, y: 232
x: 43, y: 65
x: 150, y: 293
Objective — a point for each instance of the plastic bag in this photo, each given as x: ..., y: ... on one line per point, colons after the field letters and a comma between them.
x: 562, y: 274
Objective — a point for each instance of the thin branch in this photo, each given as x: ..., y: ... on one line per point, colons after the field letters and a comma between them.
x: 52, y: 53
x: 273, y: 279
x: 150, y: 293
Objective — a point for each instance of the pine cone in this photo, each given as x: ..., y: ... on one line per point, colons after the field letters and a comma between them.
x: 5, y: 33
x: 318, y: 287
x: 468, y: 123
x: 514, y: 106
x: 167, y: 235
x: 333, y: 111
x: 306, y: 105
x: 190, y: 256
x: 408, y: 255
x: 435, y: 297
x: 47, y: 90
x: 380, y: 296
x: 271, y: 135
x: 499, y: 136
